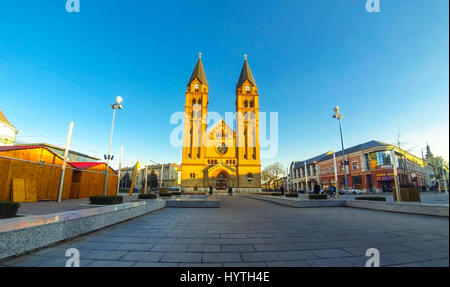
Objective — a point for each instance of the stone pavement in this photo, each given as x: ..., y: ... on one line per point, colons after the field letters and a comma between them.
x: 249, y: 232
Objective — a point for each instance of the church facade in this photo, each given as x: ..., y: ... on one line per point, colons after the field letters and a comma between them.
x: 220, y: 156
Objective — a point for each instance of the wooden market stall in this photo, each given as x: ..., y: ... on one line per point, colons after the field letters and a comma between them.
x: 31, y: 173
x: 89, y: 179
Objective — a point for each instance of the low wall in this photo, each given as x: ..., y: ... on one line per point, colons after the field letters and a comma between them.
x: 422, y: 209
x: 23, y: 234
x: 411, y: 208
x: 296, y: 202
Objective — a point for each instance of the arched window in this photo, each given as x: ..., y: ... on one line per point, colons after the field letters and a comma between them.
x: 194, y: 102
x: 252, y: 104
x: 245, y: 103
x: 249, y: 177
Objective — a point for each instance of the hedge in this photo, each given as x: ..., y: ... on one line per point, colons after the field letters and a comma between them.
x: 106, y: 199
x: 275, y: 194
x: 291, y: 194
x: 147, y: 196
x: 375, y: 198
x: 175, y: 193
x: 318, y: 196
x: 165, y: 194
x: 8, y: 208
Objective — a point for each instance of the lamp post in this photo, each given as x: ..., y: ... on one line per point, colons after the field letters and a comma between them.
x: 443, y: 176
x: 338, y: 115
x: 115, y: 106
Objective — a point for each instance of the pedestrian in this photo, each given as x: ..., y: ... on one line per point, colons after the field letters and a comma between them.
x: 230, y: 191
x: 316, y: 189
x: 282, y: 190
x: 210, y: 190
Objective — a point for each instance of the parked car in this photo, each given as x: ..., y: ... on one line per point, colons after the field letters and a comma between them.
x: 354, y: 191
x: 174, y: 188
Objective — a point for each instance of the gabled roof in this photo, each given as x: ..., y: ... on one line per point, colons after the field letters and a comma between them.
x: 223, y: 123
x: 198, y: 73
x: 60, y: 150
x: 14, y: 147
x: 21, y: 147
x: 246, y: 75
x: 3, y: 119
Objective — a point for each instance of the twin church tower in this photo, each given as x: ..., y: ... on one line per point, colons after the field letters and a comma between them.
x: 221, y: 156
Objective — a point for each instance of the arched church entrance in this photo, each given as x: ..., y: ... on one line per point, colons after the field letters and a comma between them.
x: 222, y: 181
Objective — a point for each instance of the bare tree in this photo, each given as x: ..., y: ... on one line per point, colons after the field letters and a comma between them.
x: 273, y: 172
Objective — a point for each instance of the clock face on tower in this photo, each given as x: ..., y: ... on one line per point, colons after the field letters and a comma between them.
x: 222, y: 148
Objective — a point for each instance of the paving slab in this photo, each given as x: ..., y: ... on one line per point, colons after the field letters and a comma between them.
x: 245, y: 232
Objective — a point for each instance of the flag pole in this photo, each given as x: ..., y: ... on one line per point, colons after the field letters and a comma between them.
x: 63, y: 167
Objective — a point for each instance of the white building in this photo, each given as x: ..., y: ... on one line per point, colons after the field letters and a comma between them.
x: 7, y: 131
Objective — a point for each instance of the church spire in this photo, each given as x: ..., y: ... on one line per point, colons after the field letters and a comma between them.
x: 199, y: 72
x: 246, y: 74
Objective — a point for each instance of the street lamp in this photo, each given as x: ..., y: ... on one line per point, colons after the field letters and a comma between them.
x: 115, y: 106
x: 338, y: 115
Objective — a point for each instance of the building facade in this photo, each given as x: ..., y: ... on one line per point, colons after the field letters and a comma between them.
x: 370, y: 168
x: 168, y: 175
x: 221, y: 156
x: 7, y: 131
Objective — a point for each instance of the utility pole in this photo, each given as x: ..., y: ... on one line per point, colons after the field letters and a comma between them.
x: 63, y: 167
x: 120, y: 167
x: 335, y: 175
x: 338, y: 115
x: 394, y: 167
x: 443, y: 176
x: 146, y: 175
x: 115, y: 106
x: 306, y: 180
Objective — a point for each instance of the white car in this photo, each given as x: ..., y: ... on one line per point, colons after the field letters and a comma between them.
x: 354, y: 191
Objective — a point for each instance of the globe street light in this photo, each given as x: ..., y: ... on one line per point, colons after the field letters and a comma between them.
x: 338, y: 115
x: 115, y: 106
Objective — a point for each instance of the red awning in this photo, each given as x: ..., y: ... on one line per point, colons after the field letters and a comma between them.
x: 84, y: 165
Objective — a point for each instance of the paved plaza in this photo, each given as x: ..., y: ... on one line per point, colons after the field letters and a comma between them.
x: 249, y: 232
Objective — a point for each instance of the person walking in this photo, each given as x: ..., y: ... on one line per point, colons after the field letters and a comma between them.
x: 210, y: 190
x: 230, y: 190
x: 316, y: 189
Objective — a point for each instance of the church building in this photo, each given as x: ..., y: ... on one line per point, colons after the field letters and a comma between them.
x: 220, y: 156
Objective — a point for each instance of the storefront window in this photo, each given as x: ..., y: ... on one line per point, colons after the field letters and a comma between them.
x: 375, y: 159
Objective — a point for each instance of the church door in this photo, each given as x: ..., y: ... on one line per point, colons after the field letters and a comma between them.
x: 221, y: 181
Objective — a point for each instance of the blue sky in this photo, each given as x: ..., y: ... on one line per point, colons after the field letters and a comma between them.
x: 387, y: 71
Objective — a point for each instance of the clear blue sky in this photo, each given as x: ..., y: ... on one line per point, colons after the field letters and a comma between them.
x: 387, y: 71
